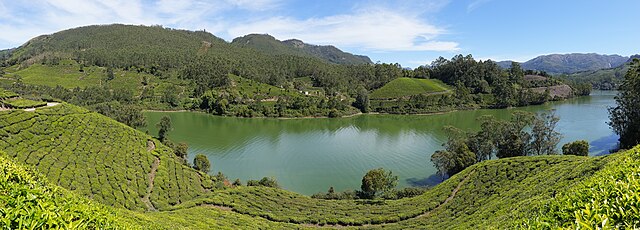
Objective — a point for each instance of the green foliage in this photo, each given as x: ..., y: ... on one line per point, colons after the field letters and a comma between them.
x: 607, y: 200
x: 264, y: 182
x: 23, y: 103
x: 362, y: 100
x: 201, y: 163
x: 97, y: 157
x: 5, y: 94
x: 30, y: 202
x: 403, y: 87
x: 378, y: 181
x: 164, y: 127
x: 577, y: 148
x: 625, y: 116
x: 544, y: 137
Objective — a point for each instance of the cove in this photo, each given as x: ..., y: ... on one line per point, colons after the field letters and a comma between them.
x: 310, y: 155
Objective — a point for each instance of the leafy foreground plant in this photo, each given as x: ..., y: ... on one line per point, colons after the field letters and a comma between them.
x: 29, y: 202
x: 610, y: 199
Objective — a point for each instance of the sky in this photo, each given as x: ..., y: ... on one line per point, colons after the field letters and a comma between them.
x: 408, y: 32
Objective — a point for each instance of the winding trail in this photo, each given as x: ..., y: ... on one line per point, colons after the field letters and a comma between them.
x: 152, y: 176
x: 425, y: 214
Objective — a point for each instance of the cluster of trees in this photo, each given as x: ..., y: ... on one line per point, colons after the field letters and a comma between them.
x: 525, y: 134
x: 625, y: 116
x: 508, y: 87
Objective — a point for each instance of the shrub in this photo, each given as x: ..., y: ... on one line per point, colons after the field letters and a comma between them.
x: 201, y: 163
x: 578, y: 148
x: 265, y: 182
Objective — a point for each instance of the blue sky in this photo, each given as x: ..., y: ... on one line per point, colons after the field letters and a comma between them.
x: 409, y: 32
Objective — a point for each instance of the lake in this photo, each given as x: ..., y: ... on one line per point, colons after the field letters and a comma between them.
x: 310, y: 155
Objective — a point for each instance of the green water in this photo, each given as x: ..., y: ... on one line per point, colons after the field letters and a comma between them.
x: 310, y: 155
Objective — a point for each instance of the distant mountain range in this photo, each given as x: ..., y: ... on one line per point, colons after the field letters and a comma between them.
x: 570, y: 63
x: 268, y: 44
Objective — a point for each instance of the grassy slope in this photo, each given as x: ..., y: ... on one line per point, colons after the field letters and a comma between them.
x: 67, y: 74
x: 66, y: 143
x: 97, y: 157
x: 403, y: 87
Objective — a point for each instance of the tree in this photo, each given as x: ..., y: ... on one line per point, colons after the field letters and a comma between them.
x: 544, y: 136
x: 625, y: 116
x: 578, y: 148
x: 362, y: 100
x: 201, y: 163
x: 516, y: 74
x: 452, y: 162
x: 513, y: 139
x: 181, y: 150
x: 378, y: 181
x: 164, y: 126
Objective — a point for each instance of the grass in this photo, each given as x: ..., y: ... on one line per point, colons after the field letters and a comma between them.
x: 404, y: 87
x: 24, y: 103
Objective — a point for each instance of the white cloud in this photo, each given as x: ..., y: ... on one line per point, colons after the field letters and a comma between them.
x: 475, y: 4
x: 256, y: 5
x: 374, y: 29
x: 378, y: 27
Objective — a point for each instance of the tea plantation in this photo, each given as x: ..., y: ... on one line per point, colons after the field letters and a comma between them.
x: 97, y: 157
x: 103, y: 174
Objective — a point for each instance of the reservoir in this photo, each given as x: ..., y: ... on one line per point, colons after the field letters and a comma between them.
x: 310, y: 155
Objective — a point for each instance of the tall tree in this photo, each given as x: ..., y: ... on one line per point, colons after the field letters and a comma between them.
x: 544, y: 136
x: 514, y: 139
x: 625, y: 116
x: 362, y: 100
x: 164, y: 126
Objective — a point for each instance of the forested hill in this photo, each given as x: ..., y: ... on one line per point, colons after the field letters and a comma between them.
x: 571, y: 63
x: 268, y: 44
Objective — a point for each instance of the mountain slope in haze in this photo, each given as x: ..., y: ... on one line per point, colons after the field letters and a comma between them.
x: 604, y: 79
x: 268, y: 44
x: 570, y: 63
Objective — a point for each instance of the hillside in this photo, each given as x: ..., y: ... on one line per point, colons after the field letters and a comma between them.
x: 111, y: 164
x: 268, y: 44
x: 97, y: 157
x: 403, y: 87
x: 570, y: 63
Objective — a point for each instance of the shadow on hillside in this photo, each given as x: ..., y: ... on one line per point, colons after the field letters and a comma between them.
x: 430, y: 181
x: 604, y: 145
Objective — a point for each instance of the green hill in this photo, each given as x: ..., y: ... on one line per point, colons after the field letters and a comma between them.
x: 99, y: 158
x: 269, y: 44
x: 403, y: 87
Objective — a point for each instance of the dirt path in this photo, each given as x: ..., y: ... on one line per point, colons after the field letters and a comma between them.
x: 49, y: 104
x: 425, y: 214
x: 152, y: 176
x: 446, y: 201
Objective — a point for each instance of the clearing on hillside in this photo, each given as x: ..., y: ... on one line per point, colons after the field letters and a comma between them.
x: 404, y: 86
